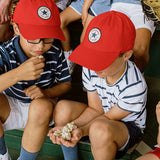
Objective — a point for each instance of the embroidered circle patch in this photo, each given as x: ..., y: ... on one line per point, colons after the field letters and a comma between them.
x: 44, y: 12
x: 94, y: 35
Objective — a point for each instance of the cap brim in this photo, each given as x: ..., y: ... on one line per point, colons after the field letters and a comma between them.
x: 31, y: 32
x: 91, y: 58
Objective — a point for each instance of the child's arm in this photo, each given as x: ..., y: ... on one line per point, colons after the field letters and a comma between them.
x: 35, y: 92
x: 158, y: 120
x: 115, y: 113
x: 85, y: 8
x: 29, y: 70
x: 58, y: 90
x: 91, y: 112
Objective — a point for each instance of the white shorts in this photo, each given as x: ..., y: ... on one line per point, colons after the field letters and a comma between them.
x: 136, y: 14
x: 18, y: 116
x: 62, y: 4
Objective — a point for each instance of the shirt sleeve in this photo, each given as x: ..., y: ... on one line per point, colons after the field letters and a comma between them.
x: 133, y: 97
x: 62, y: 73
x: 4, y: 64
x: 87, y: 79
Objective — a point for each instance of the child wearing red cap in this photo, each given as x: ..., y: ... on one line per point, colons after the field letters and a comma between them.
x: 33, y: 74
x: 6, y: 15
x: 80, y: 9
x: 114, y: 118
x: 154, y: 154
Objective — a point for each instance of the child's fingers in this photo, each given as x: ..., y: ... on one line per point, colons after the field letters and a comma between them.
x: 158, y: 105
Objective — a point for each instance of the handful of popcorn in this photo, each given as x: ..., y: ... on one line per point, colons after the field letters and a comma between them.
x: 65, y: 133
x: 40, y: 57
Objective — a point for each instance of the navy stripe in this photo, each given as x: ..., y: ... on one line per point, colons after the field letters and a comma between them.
x: 84, y: 74
x: 128, y: 86
x: 101, y: 87
x: 133, y: 103
x: 128, y: 110
x: 135, y: 95
x: 136, y: 73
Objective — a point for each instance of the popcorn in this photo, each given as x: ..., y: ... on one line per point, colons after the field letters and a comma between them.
x: 65, y: 133
x: 40, y: 56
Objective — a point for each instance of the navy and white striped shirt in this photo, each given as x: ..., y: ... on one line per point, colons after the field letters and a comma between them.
x: 129, y: 92
x: 55, y: 70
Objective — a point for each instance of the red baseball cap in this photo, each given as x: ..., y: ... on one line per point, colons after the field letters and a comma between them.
x: 107, y: 35
x: 38, y: 19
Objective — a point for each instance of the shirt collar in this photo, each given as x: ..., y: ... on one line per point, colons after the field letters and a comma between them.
x: 20, y: 54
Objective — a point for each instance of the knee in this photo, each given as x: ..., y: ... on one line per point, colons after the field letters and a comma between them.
x: 63, y: 22
x: 101, y: 131
x: 62, y: 112
x: 40, y: 111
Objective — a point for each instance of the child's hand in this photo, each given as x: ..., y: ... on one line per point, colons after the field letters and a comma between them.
x: 34, y: 92
x: 4, y: 11
x: 30, y: 69
x: 53, y: 138
x: 158, y: 112
x: 76, y: 135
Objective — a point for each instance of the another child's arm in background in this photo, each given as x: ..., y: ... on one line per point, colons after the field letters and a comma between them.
x: 4, y: 11
x: 58, y: 90
x: 85, y: 8
x: 158, y: 119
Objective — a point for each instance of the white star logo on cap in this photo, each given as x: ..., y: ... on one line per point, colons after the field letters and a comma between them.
x: 94, y: 35
x: 44, y: 12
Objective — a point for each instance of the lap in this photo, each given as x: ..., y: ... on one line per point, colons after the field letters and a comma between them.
x: 116, y: 129
x: 18, y: 115
x: 71, y: 105
x: 125, y: 134
x: 19, y: 111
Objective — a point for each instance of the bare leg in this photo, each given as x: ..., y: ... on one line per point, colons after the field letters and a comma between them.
x: 36, y: 129
x: 4, y: 112
x: 67, y: 16
x: 106, y: 138
x: 66, y: 111
x: 148, y: 157
x: 141, y: 48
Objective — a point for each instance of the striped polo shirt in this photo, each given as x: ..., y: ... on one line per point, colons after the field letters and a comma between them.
x: 55, y: 70
x: 129, y: 92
